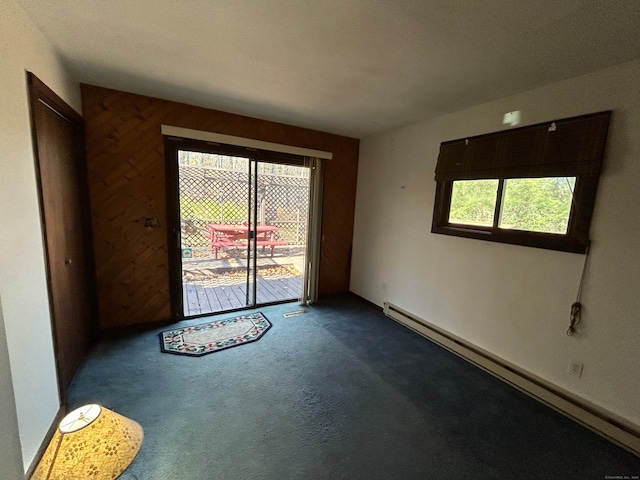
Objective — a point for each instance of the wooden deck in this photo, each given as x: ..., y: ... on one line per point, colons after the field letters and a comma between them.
x: 201, y: 298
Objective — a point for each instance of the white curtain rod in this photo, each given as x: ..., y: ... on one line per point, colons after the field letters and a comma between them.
x: 242, y: 142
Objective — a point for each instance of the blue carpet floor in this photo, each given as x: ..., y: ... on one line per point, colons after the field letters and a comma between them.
x: 341, y: 392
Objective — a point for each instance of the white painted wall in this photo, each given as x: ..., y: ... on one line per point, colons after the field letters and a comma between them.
x: 10, y: 454
x: 511, y: 300
x: 22, y: 268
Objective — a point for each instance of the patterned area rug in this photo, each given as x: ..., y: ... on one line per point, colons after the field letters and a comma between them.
x: 212, y: 337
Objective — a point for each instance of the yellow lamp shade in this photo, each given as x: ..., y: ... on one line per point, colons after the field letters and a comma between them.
x: 91, y: 442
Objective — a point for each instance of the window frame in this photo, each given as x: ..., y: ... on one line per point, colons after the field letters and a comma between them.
x: 576, y: 239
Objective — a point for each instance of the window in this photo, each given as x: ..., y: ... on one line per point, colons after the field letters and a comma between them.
x: 537, y: 204
x: 473, y: 202
x: 528, y: 204
x: 531, y: 186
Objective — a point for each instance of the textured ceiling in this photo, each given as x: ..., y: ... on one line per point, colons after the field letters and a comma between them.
x: 352, y: 67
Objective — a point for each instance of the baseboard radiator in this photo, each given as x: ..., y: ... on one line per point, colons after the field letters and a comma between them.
x: 604, y: 423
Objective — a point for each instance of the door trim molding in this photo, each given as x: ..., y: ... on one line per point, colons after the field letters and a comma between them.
x: 41, y: 94
x: 205, y: 136
x: 171, y: 148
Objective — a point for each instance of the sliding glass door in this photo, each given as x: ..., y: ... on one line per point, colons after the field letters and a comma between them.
x: 240, y: 227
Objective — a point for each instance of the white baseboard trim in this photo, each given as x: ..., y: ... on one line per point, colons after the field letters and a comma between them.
x: 602, y: 422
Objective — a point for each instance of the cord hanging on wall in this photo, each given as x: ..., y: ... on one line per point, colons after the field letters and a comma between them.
x: 576, y: 307
x: 576, y: 317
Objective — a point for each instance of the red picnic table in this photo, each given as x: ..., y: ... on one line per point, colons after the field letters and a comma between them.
x: 223, y: 236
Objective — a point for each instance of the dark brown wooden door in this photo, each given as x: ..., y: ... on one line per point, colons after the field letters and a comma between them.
x: 59, y: 148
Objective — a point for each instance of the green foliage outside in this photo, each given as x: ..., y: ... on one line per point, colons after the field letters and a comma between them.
x: 197, y: 214
x: 473, y: 202
x: 532, y: 204
x: 537, y: 204
x: 212, y: 211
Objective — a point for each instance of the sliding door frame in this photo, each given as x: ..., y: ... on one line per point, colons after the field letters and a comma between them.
x: 171, y: 147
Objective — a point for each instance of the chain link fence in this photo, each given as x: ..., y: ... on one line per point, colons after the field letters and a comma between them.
x: 214, y: 189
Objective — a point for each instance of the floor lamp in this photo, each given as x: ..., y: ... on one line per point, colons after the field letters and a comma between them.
x: 91, y: 442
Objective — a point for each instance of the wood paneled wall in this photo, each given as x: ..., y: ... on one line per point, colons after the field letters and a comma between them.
x: 126, y: 169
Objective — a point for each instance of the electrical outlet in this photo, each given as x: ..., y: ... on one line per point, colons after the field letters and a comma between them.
x: 575, y: 368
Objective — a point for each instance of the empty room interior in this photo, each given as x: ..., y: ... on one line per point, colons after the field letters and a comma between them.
x: 416, y: 222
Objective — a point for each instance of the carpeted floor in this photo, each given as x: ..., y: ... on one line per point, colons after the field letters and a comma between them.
x: 341, y: 392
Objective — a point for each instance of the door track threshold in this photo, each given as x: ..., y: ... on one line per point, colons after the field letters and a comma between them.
x: 295, y: 313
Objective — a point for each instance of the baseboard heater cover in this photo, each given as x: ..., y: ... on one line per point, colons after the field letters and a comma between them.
x: 592, y: 417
